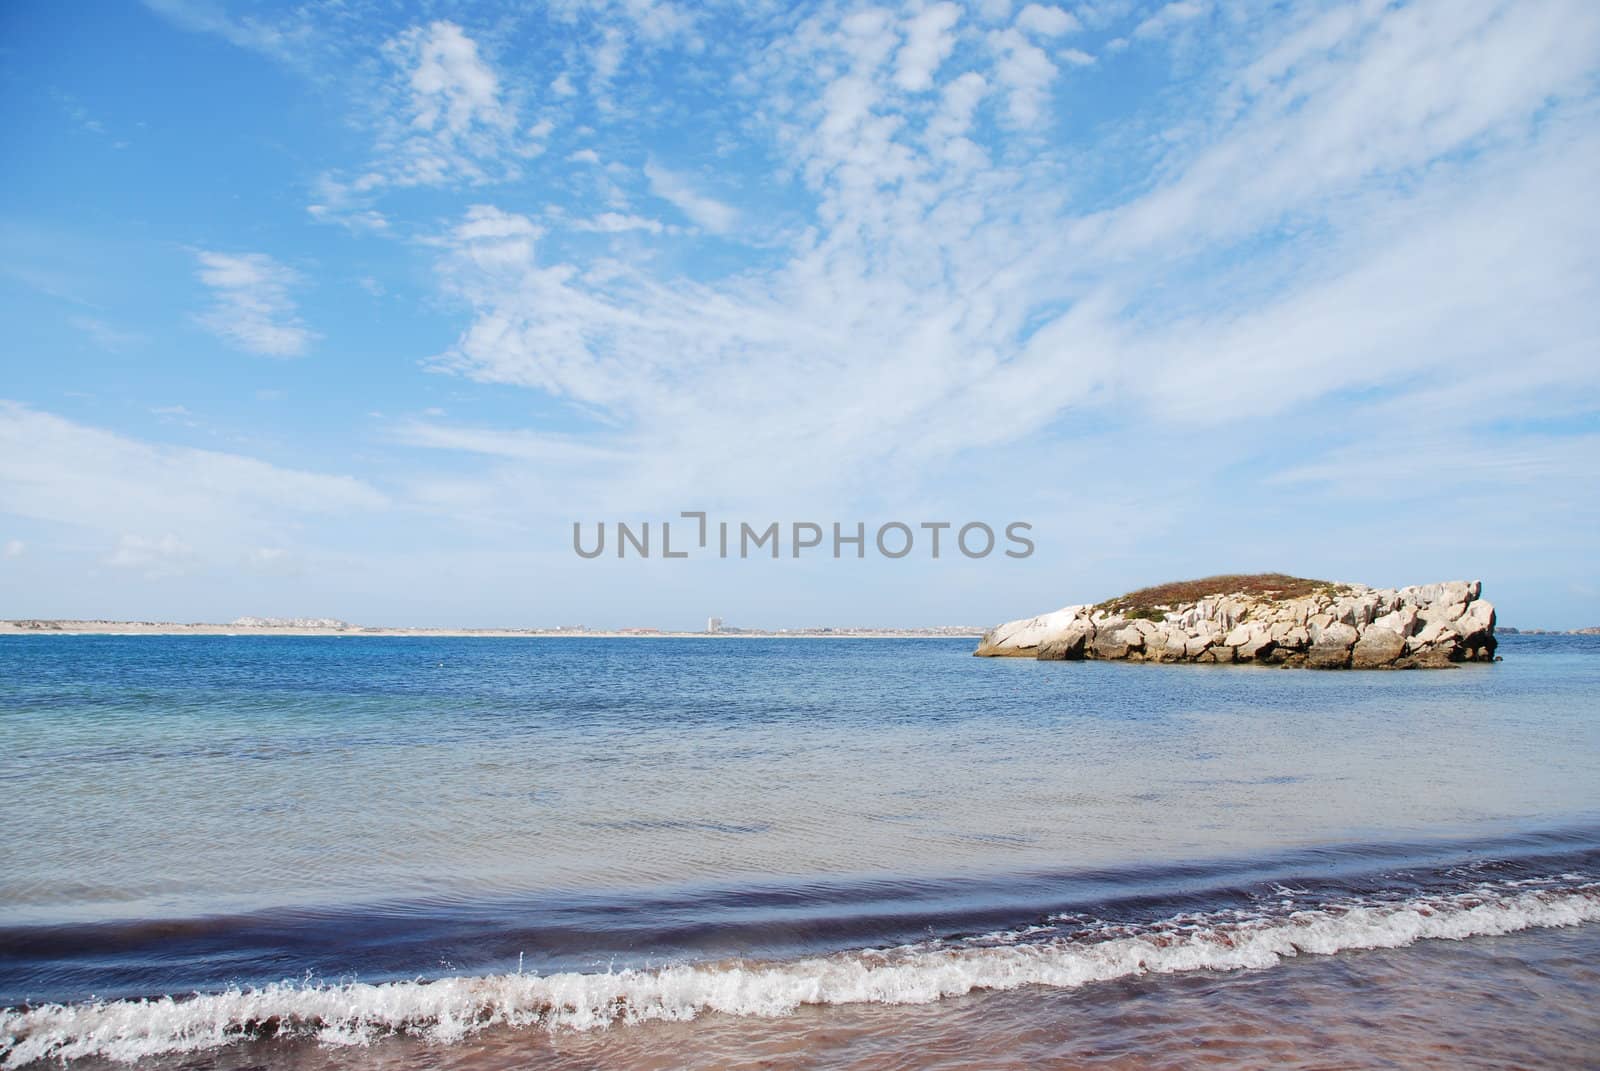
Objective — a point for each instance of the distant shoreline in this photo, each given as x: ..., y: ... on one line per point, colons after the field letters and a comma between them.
x: 41, y: 627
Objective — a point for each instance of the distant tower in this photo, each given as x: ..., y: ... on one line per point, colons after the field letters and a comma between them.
x: 713, y: 624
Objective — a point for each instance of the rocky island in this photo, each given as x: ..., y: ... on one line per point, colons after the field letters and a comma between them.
x: 1265, y: 618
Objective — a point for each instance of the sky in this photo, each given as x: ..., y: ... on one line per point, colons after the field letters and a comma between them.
x: 355, y: 309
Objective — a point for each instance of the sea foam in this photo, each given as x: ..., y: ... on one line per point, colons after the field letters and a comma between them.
x: 1063, y: 953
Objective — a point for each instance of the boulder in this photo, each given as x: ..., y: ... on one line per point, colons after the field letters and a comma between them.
x: 1432, y: 658
x: 1335, y: 634
x: 1117, y: 642
x: 1069, y: 646
x: 1022, y: 638
x: 1378, y: 646
x: 1250, y: 641
x: 1178, y: 647
x: 1401, y: 620
x: 1434, y: 634
x: 1293, y: 638
x: 1476, y: 627
x: 1328, y: 656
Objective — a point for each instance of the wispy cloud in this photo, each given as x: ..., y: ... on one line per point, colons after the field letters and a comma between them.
x: 60, y: 471
x: 617, y: 223
x: 107, y: 336
x: 677, y: 190
x: 282, y: 37
x: 1170, y: 16
x: 457, y: 121
x: 443, y: 118
x: 154, y: 557
x: 251, y: 304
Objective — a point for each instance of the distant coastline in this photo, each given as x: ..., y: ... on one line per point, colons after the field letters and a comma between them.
x: 96, y: 627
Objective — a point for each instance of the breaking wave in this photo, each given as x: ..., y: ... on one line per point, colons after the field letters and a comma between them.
x: 1062, y: 952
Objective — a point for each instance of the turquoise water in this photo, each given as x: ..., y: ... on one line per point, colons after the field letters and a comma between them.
x: 189, y: 814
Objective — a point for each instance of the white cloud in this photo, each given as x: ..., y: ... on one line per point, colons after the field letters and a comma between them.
x: 155, y: 558
x: 1046, y: 21
x: 713, y: 215
x: 445, y: 119
x: 616, y: 223
x: 513, y: 445
x: 251, y: 307
x: 1317, y: 117
x: 453, y: 90
x: 53, y: 469
x: 929, y: 42
x: 273, y: 561
x: 14, y: 548
x: 1173, y: 14
x: 337, y: 207
x: 458, y: 124
x: 605, y: 58
x: 284, y: 39
x: 1454, y: 464
x: 1027, y: 71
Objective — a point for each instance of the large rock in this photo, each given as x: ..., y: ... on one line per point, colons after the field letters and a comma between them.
x: 1022, y: 638
x: 1328, y: 656
x: 1476, y: 627
x: 1334, y: 634
x: 1401, y: 620
x: 1326, y: 626
x: 1377, y: 647
x: 1251, y: 640
x: 1068, y: 646
x: 1117, y: 641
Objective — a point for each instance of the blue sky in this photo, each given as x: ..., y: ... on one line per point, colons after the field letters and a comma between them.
x: 352, y: 309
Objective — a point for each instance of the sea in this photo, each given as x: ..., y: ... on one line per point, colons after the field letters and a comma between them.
x: 481, y: 853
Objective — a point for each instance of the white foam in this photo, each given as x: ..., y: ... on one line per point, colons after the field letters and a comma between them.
x: 449, y: 1009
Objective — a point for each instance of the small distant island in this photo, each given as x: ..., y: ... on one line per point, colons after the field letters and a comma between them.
x: 1267, y: 619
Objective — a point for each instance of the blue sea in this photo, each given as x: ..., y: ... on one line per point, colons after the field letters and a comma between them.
x: 365, y: 852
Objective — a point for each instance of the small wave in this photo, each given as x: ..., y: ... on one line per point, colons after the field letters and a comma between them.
x: 1066, y: 953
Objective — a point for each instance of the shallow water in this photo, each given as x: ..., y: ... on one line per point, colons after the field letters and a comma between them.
x: 214, y: 814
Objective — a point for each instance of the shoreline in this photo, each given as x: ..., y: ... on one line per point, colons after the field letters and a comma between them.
x: 36, y: 627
